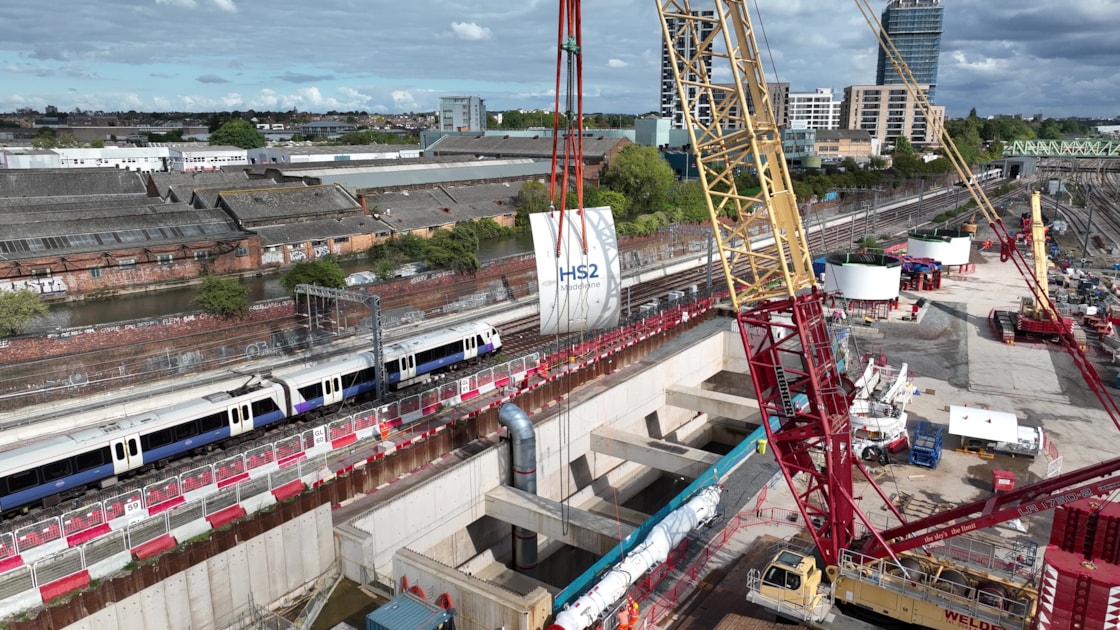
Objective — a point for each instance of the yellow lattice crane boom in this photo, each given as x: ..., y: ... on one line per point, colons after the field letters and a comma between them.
x: 1039, y: 310
x: 765, y: 229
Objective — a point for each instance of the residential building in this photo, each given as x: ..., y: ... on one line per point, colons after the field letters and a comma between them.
x: 779, y: 103
x: 833, y: 145
x: 813, y: 110
x: 462, y: 113
x: 914, y: 26
x: 685, y: 45
x: 887, y: 112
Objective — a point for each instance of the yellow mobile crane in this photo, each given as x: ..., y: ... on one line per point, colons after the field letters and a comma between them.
x: 778, y: 306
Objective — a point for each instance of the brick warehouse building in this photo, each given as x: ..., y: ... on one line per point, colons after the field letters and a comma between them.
x: 83, y: 232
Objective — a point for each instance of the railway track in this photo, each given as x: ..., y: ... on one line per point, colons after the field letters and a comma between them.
x: 1099, y: 189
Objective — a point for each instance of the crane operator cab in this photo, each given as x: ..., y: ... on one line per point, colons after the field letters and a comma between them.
x: 790, y: 585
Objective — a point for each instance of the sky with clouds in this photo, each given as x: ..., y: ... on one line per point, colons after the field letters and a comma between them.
x: 1011, y: 56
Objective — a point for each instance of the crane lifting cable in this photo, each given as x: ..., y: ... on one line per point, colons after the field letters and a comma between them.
x: 569, y: 128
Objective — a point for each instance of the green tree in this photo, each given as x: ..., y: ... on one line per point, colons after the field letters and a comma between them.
x: 17, y: 309
x: 455, y: 249
x: 532, y: 198
x: 222, y: 296
x: 688, y: 198
x: 642, y: 175
x: 902, y: 146
x: 97, y: 144
x: 238, y: 133
x: 321, y: 272
x: 598, y: 197
x: 1050, y: 130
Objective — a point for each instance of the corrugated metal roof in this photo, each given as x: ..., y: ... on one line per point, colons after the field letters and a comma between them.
x: 430, y: 174
x: 70, y: 182
x: 407, y: 612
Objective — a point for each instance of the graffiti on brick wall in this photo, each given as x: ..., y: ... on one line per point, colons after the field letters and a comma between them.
x: 321, y: 250
x: 42, y: 286
x: 297, y: 256
x: 178, y: 363
x: 272, y: 258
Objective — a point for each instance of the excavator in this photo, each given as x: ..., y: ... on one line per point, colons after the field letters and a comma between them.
x: 779, y: 310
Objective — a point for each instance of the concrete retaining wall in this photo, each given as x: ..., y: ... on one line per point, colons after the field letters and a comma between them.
x: 269, y: 569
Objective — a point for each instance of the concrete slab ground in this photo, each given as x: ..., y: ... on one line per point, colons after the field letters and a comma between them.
x: 955, y: 360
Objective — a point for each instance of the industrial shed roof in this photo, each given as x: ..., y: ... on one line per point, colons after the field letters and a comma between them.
x: 186, y: 181
x: 322, y: 229
x: 207, y: 196
x: 594, y: 147
x: 62, y: 231
x: 76, y: 202
x: 254, y: 207
x: 411, y: 210
x: 408, y: 175
x: 69, y: 182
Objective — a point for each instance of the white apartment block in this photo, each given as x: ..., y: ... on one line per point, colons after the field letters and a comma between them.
x: 813, y: 110
x: 887, y: 112
x: 462, y: 113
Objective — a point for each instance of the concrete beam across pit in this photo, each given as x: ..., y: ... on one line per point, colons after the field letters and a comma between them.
x: 584, y: 530
x: 672, y: 458
x: 715, y: 404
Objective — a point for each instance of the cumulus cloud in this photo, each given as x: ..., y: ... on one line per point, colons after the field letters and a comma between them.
x: 225, y: 5
x: 210, y: 78
x: 616, y: 63
x: 186, y: 4
x: 404, y: 100
x: 470, y: 31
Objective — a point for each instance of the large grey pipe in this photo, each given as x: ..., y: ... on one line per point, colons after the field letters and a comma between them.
x: 524, y: 450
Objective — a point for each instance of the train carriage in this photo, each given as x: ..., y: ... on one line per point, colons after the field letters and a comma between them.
x: 49, y: 470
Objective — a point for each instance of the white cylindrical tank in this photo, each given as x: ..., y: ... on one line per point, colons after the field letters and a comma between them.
x: 950, y: 246
x: 863, y: 276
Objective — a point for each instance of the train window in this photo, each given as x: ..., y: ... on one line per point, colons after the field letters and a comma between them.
x: 186, y: 430
x: 480, y: 341
x: 156, y: 439
x: 132, y: 452
x: 213, y: 422
x: 120, y: 450
x: 23, y: 480
x: 312, y: 391
x: 263, y: 406
x: 391, y: 368
x: 54, y: 470
x: 435, y: 354
x: 362, y: 377
x: 92, y: 459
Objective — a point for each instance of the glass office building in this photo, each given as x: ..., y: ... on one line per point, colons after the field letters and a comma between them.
x: 915, y: 28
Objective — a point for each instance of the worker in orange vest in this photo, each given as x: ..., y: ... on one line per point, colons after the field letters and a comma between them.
x: 624, y: 620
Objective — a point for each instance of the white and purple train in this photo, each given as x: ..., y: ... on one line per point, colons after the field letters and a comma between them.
x: 45, y: 472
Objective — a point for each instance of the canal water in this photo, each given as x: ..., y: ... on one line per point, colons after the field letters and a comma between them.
x: 173, y: 301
